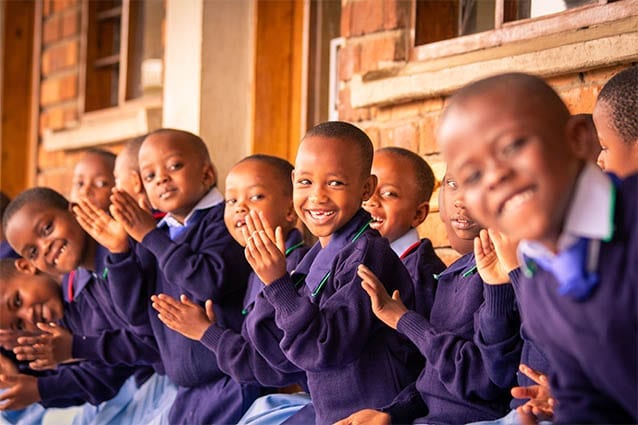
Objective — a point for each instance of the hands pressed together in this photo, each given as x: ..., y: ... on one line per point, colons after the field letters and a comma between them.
x: 265, y: 248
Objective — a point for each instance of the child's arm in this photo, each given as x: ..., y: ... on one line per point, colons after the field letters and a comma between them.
x: 45, y: 351
x: 20, y: 391
x: 264, y: 248
x: 388, y: 309
x: 135, y: 220
x: 184, y: 316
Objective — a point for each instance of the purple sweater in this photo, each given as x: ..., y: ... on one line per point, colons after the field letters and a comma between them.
x: 592, y: 345
x: 472, y: 350
x: 236, y: 354
x: 351, y: 359
x: 203, y: 262
x: 423, y: 264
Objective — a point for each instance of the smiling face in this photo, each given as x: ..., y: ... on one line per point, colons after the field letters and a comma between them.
x: 329, y: 184
x: 254, y: 185
x: 459, y: 224
x: 27, y: 299
x: 395, y: 205
x: 49, y: 238
x: 93, y: 178
x: 617, y: 155
x: 174, y: 173
x: 507, y: 148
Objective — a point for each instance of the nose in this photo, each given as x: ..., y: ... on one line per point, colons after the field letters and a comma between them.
x: 317, y: 194
x: 497, y: 173
x: 458, y: 203
x: 240, y: 207
x: 162, y: 176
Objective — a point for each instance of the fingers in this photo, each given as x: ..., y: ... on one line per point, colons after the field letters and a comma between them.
x: 396, y: 296
x: 532, y: 374
x: 280, y: 241
x: 210, y: 313
x: 166, y: 306
x: 525, y: 392
x: 50, y: 328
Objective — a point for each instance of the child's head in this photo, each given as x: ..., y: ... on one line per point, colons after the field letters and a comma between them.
x: 40, y: 227
x: 332, y: 177
x: 93, y: 178
x: 127, y: 168
x: 616, y: 118
x: 592, y: 148
x: 402, y: 197
x: 27, y: 298
x: 516, y: 152
x: 176, y: 170
x: 261, y: 183
x: 460, y: 227
x: 4, y: 201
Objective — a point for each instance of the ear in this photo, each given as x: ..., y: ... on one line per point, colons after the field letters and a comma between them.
x: 422, y: 211
x: 136, y: 179
x: 24, y: 266
x: 291, y: 214
x: 369, y: 186
x: 578, y: 133
x: 209, y: 178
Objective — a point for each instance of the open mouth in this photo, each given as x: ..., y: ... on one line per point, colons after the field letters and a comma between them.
x: 516, y: 200
x: 240, y: 223
x: 166, y: 194
x: 59, y: 252
x: 462, y: 223
x: 320, y: 216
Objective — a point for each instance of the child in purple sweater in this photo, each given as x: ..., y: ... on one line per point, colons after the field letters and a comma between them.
x: 525, y: 173
x: 400, y: 203
x: 350, y: 358
x: 470, y: 342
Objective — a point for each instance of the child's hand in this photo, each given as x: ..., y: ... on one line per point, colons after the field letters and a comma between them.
x: 366, y: 417
x: 540, y: 406
x: 388, y: 309
x: 184, y: 317
x: 21, y: 391
x: 48, y: 350
x: 7, y: 367
x: 488, y: 261
x: 264, y: 248
x: 137, y: 221
x: 101, y: 226
x: 505, y: 249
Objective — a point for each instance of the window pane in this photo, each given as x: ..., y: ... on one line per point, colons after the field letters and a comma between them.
x: 522, y: 9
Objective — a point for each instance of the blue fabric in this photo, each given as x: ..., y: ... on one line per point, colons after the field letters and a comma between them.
x: 273, y: 409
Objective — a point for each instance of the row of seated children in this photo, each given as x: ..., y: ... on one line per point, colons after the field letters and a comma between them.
x: 267, y: 263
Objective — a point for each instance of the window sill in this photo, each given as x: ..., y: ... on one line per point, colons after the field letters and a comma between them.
x: 134, y: 118
x: 612, y: 40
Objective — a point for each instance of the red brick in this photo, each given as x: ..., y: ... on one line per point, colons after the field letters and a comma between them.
x: 406, y: 136
x: 602, y: 75
x: 396, y: 14
x: 427, y: 133
x: 59, y: 5
x: 434, y: 229
x: 58, y: 89
x: 58, y: 179
x: 52, y: 30
x: 346, y: 18
x: 54, y: 159
x: 47, y: 8
x: 580, y: 99
x: 59, y: 57
x: 347, y: 112
x: 376, y: 50
x: 366, y: 17
x: 349, y: 61
x: 70, y: 24
x: 373, y: 133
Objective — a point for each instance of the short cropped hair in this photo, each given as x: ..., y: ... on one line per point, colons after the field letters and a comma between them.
x: 347, y: 132
x: 40, y: 195
x: 195, y: 142
x: 422, y: 170
x: 282, y: 168
x: 107, y: 156
x: 620, y: 95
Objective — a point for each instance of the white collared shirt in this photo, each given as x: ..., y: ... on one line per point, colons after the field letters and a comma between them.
x: 212, y: 198
x: 404, y: 242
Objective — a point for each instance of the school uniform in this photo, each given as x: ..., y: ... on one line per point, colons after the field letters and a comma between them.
x: 6, y: 251
x: 351, y: 359
x: 581, y: 303
x: 201, y: 260
x: 423, y: 264
x: 235, y: 352
x: 471, y: 347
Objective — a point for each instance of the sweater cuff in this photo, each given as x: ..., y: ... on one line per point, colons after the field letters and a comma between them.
x: 85, y: 347
x: 413, y: 325
x: 281, y: 294
x: 499, y: 299
x: 47, y: 389
x: 117, y: 257
x: 211, y: 337
x: 156, y: 241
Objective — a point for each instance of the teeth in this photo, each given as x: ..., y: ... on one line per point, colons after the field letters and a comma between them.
x: 240, y: 224
x: 377, y: 220
x: 517, y: 200
x: 321, y: 214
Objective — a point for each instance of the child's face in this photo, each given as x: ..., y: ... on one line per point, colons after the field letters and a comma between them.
x: 394, y: 205
x: 453, y: 211
x: 253, y: 185
x: 328, y: 185
x: 49, y: 238
x: 93, y: 178
x: 28, y: 299
x: 175, y: 177
x: 616, y: 156
x: 513, y: 162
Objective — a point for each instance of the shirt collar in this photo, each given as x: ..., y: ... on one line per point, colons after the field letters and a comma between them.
x: 590, y: 214
x: 404, y: 242
x: 212, y: 198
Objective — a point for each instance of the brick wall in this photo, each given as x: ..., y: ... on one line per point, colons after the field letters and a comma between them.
x: 59, y: 88
x: 377, y: 40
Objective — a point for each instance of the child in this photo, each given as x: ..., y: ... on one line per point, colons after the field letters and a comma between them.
x: 256, y: 183
x: 399, y: 204
x: 518, y: 153
x: 470, y: 342
x: 93, y: 177
x: 592, y: 147
x: 351, y: 359
x: 189, y: 252
x: 5, y: 248
x: 616, y: 118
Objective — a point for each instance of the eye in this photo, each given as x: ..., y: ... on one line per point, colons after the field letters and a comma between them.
x: 452, y: 184
x: 175, y: 166
x: 101, y: 183
x: 148, y: 177
x: 78, y: 184
x: 513, y: 147
x: 335, y: 183
x: 389, y: 194
x: 18, y: 325
x: 471, y: 178
x: 231, y: 201
x: 32, y: 253
x: 257, y: 197
x: 47, y: 228
x: 303, y: 182
x: 17, y: 300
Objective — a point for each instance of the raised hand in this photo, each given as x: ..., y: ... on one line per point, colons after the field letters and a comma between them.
x: 388, y: 309
x: 137, y: 221
x: 366, y: 417
x: 48, y: 350
x: 101, y: 226
x: 540, y: 406
x: 493, y: 252
x: 184, y: 316
x: 264, y: 248
x: 7, y: 367
x: 21, y: 391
